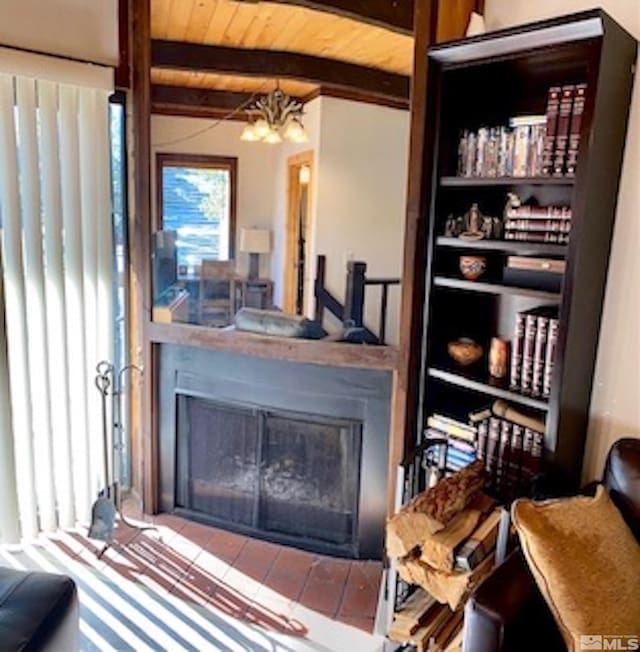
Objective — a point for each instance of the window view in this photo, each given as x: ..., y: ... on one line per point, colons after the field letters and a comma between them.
x: 197, y: 206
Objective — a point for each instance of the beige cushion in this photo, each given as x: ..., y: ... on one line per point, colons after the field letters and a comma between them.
x: 586, y: 563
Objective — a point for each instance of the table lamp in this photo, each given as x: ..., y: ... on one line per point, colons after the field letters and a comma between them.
x: 255, y: 242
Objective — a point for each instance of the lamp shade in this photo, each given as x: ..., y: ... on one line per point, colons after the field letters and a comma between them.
x: 255, y: 241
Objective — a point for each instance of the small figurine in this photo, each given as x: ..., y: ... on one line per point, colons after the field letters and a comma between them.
x: 473, y: 221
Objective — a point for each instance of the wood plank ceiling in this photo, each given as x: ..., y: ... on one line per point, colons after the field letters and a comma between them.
x: 278, y: 27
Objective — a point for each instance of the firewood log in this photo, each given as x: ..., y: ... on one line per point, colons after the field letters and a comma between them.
x: 430, y: 511
x: 438, y: 550
x: 451, y: 588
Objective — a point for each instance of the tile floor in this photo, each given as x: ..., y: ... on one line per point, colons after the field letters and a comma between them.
x: 193, y: 587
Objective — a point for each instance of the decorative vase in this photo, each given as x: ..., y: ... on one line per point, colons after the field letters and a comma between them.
x: 465, y: 351
x: 473, y: 267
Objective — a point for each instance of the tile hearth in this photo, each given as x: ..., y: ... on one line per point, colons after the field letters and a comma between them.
x: 195, y: 587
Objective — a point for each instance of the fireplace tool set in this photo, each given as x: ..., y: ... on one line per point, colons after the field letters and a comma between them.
x: 109, y: 503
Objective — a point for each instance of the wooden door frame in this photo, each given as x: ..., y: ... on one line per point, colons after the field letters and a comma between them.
x: 289, y: 276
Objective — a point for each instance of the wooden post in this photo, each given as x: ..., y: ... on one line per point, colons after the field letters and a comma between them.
x: 354, y: 293
x: 319, y: 284
x: 382, y: 330
x: 143, y: 444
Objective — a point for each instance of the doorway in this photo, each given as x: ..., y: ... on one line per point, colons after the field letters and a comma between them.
x: 298, y: 233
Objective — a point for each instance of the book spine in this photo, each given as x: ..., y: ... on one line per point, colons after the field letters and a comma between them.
x: 553, y: 103
x: 574, y: 129
x: 515, y: 461
x: 527, y: 445
x: 521, y: 151
x: 467, y: 434
x: 550, y: 355
x: 504, y: 454
x: 528, y: 349
x: 537, y: 451
x: 562, y: 135
x: 517, y: 346
x: 483, y: 435
x: 493, y: 447
x: 539, y: 355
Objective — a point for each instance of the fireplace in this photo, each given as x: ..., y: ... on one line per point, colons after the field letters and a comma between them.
x: 291, y: 476
x: 289, y: 452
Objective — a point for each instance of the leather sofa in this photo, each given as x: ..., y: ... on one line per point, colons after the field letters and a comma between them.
x: 38, y: 611
x: 506, y: 611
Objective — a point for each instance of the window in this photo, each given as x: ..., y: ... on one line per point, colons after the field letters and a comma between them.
x: 196, y: 200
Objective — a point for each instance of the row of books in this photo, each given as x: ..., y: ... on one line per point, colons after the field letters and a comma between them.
x: 512, y: 454
x: 530, y: 222
x: 531, y: 146
x: 565, y: 107
x: 513, y: 151
x: 460, y: 437
x: 533, y: 351
x: 528, y: 236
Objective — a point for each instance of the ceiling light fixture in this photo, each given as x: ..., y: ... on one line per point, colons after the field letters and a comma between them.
x: 273, y: 118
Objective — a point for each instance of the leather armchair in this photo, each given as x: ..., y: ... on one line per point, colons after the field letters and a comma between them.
x: 506, y: 611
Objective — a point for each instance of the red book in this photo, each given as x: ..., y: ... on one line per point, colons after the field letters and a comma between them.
x: 539, y: 353
x: 574, y: 129
x: 553, y: 103
x: 530, y: 330
x: 562, y: 134
x: 550, y: 354
x: 517, y: 345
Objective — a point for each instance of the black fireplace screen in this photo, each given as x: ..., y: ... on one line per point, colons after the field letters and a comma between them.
x: 290, y: 476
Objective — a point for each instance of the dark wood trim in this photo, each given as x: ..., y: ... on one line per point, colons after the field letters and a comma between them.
x: 123, y: 71
x: 395, y: 15
x: 200, y: 161
x: 357, y: 96
x: 200, y: 102
x: 178, y: 55
x: 144, y: 442
x: 406, y: 390
x: 337, y: 354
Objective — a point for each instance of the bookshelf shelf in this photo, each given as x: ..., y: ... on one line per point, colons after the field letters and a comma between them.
x: 506, y: 246
x: 584, y: 132
x: 494, y: 288
x: 491, y: 390
x: 478, y: 182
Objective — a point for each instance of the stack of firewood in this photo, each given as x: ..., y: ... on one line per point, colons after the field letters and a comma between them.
x: 444, y: 542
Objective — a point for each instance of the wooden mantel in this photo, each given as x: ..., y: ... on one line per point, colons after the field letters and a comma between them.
x: 337, y: 354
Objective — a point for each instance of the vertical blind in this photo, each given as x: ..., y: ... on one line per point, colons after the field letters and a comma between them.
x: 56, y: 290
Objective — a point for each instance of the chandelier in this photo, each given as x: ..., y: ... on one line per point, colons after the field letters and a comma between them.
x: 274, y: 118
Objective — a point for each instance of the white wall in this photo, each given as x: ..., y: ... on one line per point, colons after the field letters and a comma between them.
x: 615, y: 404
x: 83, y: 29
x: 256, y: 169
x: 361, y: 197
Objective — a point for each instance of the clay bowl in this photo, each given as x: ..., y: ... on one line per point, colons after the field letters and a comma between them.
x: 473, y: 267
x: 465, y: 351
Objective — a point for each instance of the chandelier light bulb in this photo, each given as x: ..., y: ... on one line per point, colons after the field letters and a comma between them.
x: 295, y: 132
x: 273, y: 137
x: 261, y: 128
x: 249, y: 134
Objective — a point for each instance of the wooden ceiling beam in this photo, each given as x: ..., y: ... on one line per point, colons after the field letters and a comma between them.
x: 329, y: 73
x: 396, y: 15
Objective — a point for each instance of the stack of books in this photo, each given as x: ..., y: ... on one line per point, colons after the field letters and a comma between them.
x: 513, y: 151
x: 531, y: 145
x: 511, y: 445
x: 538, y: 223
x: 565, y: 107
x: 533, y: 351
x: 461, y: 440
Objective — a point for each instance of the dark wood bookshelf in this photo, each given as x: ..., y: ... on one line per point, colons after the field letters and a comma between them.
x: 508, y: 246
x: 494, y: 288
x: 496, y: 391
x: 465, y: 182
x: 483, y: 82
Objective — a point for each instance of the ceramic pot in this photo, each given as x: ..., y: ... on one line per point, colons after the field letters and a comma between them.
x: 473, y: 267
x: 465, y: 351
